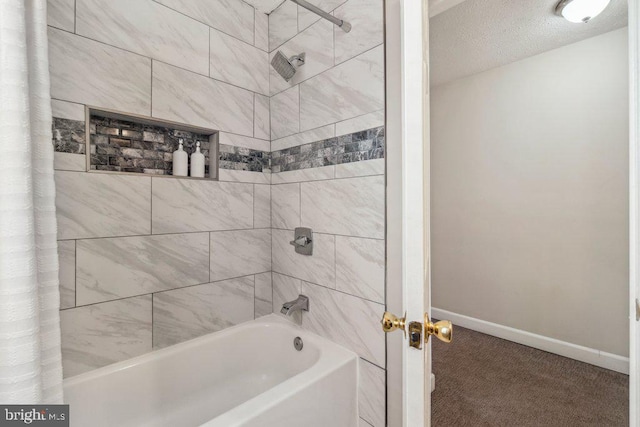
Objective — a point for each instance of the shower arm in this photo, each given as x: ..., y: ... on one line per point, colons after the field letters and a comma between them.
x: 346, y: 27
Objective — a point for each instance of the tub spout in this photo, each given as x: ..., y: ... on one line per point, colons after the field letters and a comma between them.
x: 299, y: 304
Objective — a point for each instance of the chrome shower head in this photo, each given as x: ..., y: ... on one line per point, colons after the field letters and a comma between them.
x: 287, y: 67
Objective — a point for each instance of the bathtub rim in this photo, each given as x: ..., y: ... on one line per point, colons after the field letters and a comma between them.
x: 268, y: 321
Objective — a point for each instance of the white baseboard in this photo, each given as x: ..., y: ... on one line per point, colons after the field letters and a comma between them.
x: 562, y: 348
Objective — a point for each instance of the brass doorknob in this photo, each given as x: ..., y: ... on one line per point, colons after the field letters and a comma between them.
x: 391, y: 322
x: 443, y: 329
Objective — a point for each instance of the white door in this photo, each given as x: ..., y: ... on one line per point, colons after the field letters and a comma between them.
x: 408, y: 368
x: 634, y: 207
x: 408, y: 285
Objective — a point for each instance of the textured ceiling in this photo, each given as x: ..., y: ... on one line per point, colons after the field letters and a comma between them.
x: 478, y: 35
x: 264, y: 6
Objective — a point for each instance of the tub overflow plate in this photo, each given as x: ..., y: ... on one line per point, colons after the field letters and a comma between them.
x: 297, y: 343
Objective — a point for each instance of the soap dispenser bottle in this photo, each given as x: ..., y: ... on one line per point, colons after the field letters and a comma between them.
x: 180, y: 161
x: 197, y: 162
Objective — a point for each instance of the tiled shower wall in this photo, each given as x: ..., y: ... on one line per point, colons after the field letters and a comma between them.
x: 329, y: 174
x: 196, y: 256
x: 150, y: 261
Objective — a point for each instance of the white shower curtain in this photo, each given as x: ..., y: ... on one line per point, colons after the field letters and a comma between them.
x: 30, y: 355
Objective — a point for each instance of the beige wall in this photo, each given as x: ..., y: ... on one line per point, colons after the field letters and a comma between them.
x: 529, y: 194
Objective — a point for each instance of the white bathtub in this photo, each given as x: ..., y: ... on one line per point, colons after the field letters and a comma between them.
x: 247, y: 375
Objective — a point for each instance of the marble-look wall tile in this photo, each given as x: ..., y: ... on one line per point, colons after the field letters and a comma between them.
x: 239, y: 63
x: 264, y: 294
x: 285, y: 206
x: 69, y: 162
x: 240, y: 253
x: 360, y: 123
x: 363, y: 168
x: 261, y: 39
x: 67, y: 110
x: 244, y: 141
x: 92, y: 73
x: 371, y: 393
x: 101, y: 205
x: 182, y: 205
x: 67, y: 273
x: 233, y: 17
x: 185, y: 97
x: 102, y: 334
x: 121, y: 267
x: 261, y: 118
x: 306, y: 18
x: 285, y: 288
x: 147, y: 28
x: 261, y: 206
x: 360, y: 267
x: 317, y: 43
x: 351, y: 89
x: 347, y: 320
x: 187, y: 313
x: 283, y: 24
x: 313, y: 135
x: 229, y: 175
x: 367, y: 28
x: 285, y: 113
x: 363, y: 423
x: 61, y: 14
x: 351, y: 207
x: 303, y: 175
x: 318, y: 268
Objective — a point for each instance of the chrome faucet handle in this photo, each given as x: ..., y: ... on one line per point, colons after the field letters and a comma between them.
x: 303, y: 241
x: 300, y: 241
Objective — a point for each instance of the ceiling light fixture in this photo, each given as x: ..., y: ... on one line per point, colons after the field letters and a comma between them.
x: 581, y: 10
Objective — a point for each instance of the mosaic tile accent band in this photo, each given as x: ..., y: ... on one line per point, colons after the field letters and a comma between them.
x: 68, y: 136
x: 364, y: 145
x: 246, y: 159
x: 118, y: 145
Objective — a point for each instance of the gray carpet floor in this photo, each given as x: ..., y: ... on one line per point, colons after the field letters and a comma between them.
x: 486, y: 381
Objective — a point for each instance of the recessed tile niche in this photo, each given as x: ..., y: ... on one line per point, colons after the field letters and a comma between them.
x: 133, y: 144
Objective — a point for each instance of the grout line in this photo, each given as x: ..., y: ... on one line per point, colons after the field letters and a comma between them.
x: 335, y: 262
x: 163, y: 291
x: 157, y: 60
x: 202, y: 22
x: 254, y: 27
x: 164, y: 234
x: 335, y: 234
x: 299, y: 107
x: 75, y: 273
x: 327, y: 287
x: 151, y: 210
x: 151, y: 91
x: 371, y: 363
x: 325, y: 179
x: 334, y: 130
x: 152, y: 328
x: 300, y: 202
